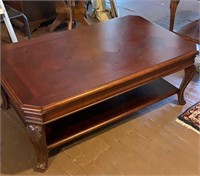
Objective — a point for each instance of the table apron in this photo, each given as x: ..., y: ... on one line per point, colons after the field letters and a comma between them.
x: 108, y: 92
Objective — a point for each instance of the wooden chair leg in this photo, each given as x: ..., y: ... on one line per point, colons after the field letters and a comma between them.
x: 62, y: 14
x: 59, y: 19
x: 79, y: 12
x: 173, y: 8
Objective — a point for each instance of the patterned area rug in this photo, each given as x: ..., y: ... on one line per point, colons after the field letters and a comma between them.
x: 191, y: 118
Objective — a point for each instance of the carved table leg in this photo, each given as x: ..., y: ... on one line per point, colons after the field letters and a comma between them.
x: 37, y: 137
x: 189, y: 73
x: 5, y: 104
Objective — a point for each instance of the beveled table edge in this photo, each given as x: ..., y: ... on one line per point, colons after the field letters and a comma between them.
x: 37, y: 114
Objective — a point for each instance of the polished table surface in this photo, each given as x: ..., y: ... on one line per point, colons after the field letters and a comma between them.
x: 66, y: 65
x: 103, y: 72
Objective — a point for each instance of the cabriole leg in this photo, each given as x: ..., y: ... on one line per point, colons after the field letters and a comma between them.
x: 189, y: 73
x: 37, y: 137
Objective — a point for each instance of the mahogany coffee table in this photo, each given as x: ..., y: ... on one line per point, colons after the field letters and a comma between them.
x: 66, y: 85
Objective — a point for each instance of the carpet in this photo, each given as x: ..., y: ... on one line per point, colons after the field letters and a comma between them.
x: 191, y: 118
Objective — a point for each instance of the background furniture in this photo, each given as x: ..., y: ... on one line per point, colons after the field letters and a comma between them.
x: 36, y: 11
x: 190, y: 31
x: 42, y: 11
x: 71, y: 11
x: 8, y: 24
x: 13, y: 14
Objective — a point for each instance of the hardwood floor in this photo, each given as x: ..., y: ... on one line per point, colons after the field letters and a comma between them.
x: 150, y: 142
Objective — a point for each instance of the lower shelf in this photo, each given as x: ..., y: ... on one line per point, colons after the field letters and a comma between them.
x: 85, y: 121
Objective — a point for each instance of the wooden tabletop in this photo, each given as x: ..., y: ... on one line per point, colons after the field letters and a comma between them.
x: 67, y: 65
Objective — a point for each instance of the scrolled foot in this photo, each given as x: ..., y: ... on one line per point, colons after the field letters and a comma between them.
x: 181, y: 99
x: 41, y: 167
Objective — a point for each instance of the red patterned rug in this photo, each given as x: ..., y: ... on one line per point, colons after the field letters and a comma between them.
x: 191, y: 118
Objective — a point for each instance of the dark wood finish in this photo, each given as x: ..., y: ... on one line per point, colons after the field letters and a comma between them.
x: 38, y: 139
x: 189, y: 31
x: 173, y: 8
x: 5, y: 100
x: 106, y: 112
x: 189, y: 73
x: 51, y: 77
x: 36, y: 11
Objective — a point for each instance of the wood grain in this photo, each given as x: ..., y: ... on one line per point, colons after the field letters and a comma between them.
x: 49, y: 78
x: 78, y: 70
